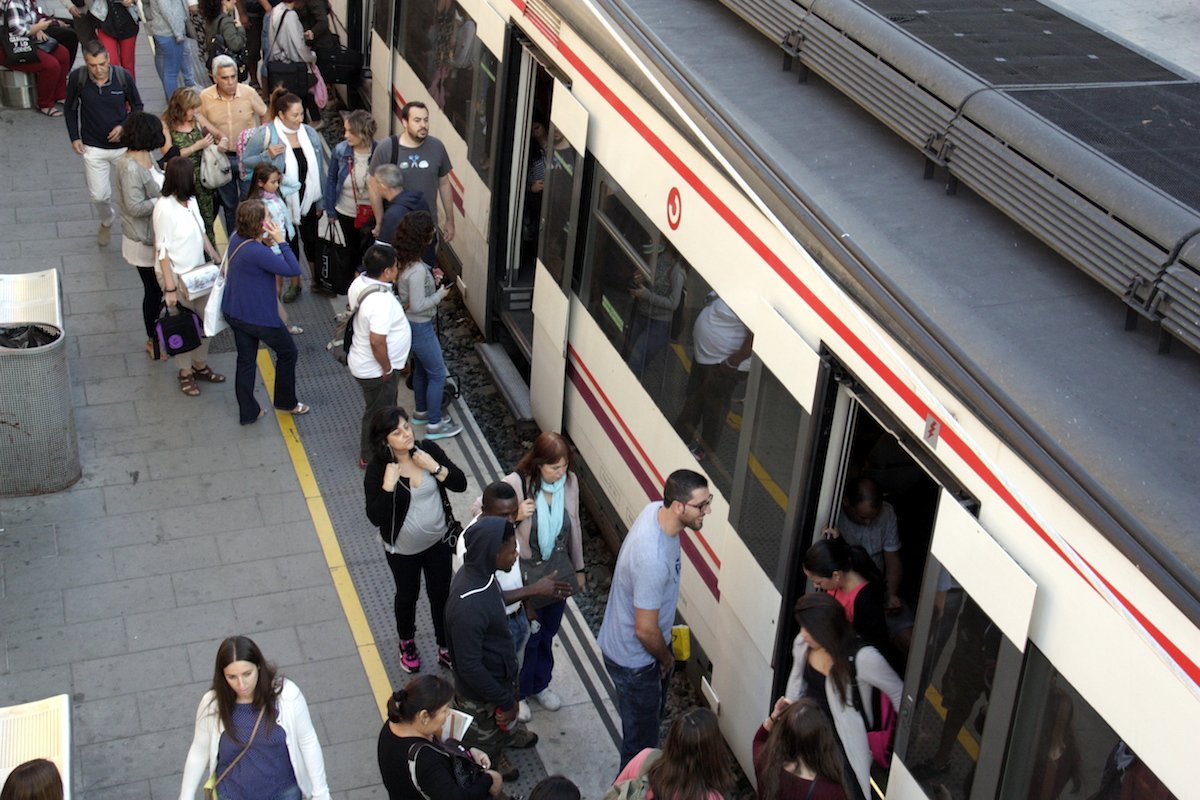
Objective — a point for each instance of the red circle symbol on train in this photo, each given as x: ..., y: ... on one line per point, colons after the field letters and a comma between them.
x: 674, y: 208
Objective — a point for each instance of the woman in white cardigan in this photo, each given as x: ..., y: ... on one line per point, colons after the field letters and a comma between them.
x: 245, y: 725
x: 821, y: 670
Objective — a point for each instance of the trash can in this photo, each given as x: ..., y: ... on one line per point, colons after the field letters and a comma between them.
x: 39, y: 451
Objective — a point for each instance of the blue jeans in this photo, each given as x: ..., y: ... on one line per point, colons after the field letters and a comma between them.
x: 293, y: 793
x: 246, y: 338
x: 171, y: 58
x: 518, y: 626
x: 539, y: 652
x: 650, y: 336
x: 228, y: 196
x: 429, y: 371
x: 641, y: 702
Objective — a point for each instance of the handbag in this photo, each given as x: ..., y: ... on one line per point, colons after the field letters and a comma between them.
x: 18, y: 48
x: 214, y: 168
x: 210, y: 786
x: 364, y: 215
x: 176, y: 333
x: 195, y: 282
x: 466, y: 772
x: 320, y: 92
x: 454, y: 528
x: 335, y: 263
x: 340, y: 64
x: 214, y: 318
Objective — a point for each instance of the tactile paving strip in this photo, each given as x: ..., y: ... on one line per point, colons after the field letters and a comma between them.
x: 330, y: 436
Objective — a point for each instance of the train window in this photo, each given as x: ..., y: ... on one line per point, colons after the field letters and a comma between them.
x: 957, y: 674
x: 482, y: 112
x: 1061, y: 746
x: 381, y: 19
x: 615, y: 256
x: 441, y: 47
x: 778, y: 427
x: 562, y: 164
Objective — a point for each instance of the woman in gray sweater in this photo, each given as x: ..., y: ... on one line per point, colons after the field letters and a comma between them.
x: 138, y: 186
x: 420, y: 294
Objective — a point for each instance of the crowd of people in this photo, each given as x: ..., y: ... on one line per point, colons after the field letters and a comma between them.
x: 521, y: 557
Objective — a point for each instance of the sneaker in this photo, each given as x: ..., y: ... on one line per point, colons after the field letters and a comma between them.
x: 444, y: 658
x: 524, y: 714
x: 508, y: 770
x: 104, y: 235
x: 443, y: 430
x: 410, y: 659
x: 548, y: 699
x: 291, y: 292
x: 522, y: 737
x: 419, y: 418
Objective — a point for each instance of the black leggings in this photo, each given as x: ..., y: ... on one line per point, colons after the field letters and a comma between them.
x: 152, y: 297
x: 435, y: 563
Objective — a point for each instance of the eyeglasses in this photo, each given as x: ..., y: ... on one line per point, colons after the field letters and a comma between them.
x: 700, y: 506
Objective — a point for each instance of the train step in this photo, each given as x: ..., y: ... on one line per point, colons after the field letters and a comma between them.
x: 508, y: 380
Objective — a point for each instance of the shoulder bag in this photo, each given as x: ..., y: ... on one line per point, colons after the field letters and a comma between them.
x: 210, y: 786
x: 214, y: 168
x: 214, y: 317
x: 454, y: 528
x: 557, y: 561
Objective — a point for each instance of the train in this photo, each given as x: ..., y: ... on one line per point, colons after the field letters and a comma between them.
x: 1039, y: 460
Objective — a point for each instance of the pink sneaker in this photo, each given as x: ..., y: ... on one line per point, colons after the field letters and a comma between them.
x: 410, y: 659
x: 444, y: 658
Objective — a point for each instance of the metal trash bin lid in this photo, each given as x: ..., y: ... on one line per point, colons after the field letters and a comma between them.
x: 31, y: 298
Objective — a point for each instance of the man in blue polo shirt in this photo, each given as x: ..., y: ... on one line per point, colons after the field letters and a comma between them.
x: 635, y: 637
x: 100, y: 97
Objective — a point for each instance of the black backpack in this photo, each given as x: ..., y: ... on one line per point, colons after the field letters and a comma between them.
x: 343, y: 326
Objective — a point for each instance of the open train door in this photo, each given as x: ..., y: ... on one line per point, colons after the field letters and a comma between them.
x: 971, y: 631
x: 561, y: 198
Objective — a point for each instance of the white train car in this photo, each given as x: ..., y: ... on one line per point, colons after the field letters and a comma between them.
x: 900, y: 334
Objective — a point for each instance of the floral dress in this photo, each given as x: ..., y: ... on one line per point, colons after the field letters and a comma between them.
x: 204, y: 196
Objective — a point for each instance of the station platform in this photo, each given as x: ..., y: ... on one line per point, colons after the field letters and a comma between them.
x: 186, y: 528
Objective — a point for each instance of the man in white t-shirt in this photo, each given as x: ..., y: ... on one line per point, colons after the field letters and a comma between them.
x: 721, y: 349
x: 381, y: 337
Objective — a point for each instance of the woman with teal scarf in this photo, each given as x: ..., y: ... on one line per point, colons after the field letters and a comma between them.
x: 547, y: 520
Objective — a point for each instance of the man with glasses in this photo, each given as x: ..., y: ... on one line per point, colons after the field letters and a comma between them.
x: 635, y: 637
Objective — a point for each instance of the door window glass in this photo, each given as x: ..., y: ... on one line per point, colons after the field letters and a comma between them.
x: 1062, y: 748
x: 952, y: 693
x: 559, y: 166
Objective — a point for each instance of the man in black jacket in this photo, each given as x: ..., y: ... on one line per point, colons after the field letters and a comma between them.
x: 481, y: 646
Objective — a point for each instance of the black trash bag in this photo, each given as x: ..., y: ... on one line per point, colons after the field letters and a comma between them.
x: 26, y: 337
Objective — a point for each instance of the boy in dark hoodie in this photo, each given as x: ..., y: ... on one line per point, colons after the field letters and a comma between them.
x: 481, y: 646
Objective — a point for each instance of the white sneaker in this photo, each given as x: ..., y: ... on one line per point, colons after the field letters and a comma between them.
x: 523, y: 712
x: 548, y: 699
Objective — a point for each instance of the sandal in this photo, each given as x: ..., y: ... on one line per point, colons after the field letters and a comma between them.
x: 52, y: 111
x: 300, y: 410
x: 150, y: 348
x: 205, y: 373
x: 187, y: 384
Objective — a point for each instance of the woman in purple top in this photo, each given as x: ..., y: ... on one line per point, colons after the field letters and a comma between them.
x: 249, y: 304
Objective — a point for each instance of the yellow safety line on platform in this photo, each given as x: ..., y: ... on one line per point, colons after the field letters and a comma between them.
x: 368, y: 652
x: 968, y: 742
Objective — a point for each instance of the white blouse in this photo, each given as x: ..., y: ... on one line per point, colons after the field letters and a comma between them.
x: 178, y: 235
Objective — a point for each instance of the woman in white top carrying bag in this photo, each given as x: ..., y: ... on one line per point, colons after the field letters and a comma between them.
x: 254, y: 736
x: 181, y: 245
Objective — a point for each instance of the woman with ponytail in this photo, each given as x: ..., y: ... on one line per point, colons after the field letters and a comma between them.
x: 414, y: 762
x: 848, y: 574
x: 796, y: 756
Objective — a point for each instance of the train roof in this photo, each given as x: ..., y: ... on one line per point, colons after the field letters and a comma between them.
x: 1023, y: 336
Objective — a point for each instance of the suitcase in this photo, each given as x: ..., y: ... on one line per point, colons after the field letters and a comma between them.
x: 339, y: 64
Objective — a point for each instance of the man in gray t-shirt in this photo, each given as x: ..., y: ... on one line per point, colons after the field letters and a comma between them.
x: 423, y: 160
x: 869, y: 521
x: 635, y: 636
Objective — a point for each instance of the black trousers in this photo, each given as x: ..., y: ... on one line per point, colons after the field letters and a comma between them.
x: 434, y: 562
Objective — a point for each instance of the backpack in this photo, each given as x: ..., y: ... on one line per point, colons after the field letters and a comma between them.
x: 635, y: 788
x: 881, y: 736
x: 343, y: 327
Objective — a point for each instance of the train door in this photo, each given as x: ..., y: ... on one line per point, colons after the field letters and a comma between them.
x: 961, y: 687
x: 530, y: 95
x: 561, y: 196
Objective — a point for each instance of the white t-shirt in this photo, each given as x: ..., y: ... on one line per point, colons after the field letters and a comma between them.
x: 178, y: 234
x: 382, y: 314
x: 718, y: 334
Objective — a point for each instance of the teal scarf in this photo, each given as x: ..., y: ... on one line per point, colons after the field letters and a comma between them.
x: 549, y: 516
